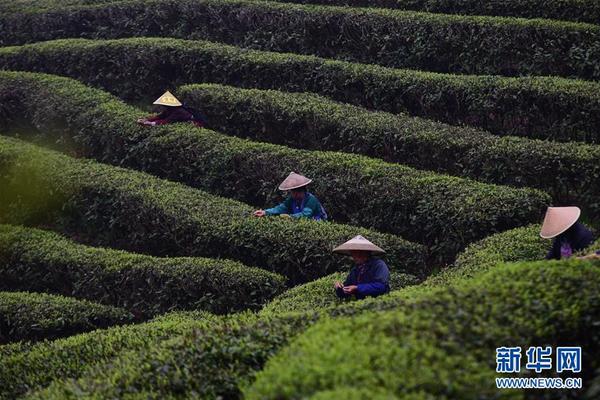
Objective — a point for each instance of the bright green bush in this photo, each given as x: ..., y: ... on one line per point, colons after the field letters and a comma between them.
x: 566, y: 170
x: 445, y: 212
x: 35, y: 316
x: 570, y: 10
x: 41, y: 261
x: 440, y: 342
x: 37, y: 366
x: 319, y: 294
x: 110, y: 206
x: 535, y: 107
x: 434, y: 42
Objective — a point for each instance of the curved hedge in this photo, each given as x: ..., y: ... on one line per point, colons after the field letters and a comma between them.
x: 434, y: 42
x: 319, y: 294
x: 569, y: 10
x: 441, y: 342
x: 37, y: 316
x: 569, y: 171
x: 42, y: 261
x: 44, y: 362
x: 422, y: 206
x: 536, y: 107
x: 114, y: 207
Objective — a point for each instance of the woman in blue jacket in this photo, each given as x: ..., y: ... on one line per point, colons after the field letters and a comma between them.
x: 370, y: 275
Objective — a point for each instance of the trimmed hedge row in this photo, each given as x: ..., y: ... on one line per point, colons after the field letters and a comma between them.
x: 447, y: 334
x: 11, y: 6
x: 434, y: 42
x: 37, y: 316
x: 37, y: 366
x: 446, y: 213
x: 209, y: 363
x: 569, y: 10
x: 110, y: 206
x: 535, y: 107
x: 319, y: 294
x: 569, y: 171
x: 46, y: 262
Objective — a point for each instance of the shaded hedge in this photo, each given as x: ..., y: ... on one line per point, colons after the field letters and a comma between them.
x: 110, y: 206
x: 319, y: 294
x: 434, y: 42
x: 37, y: 366
x: 570, y: 172
x: 535, y: 107
x: 36, y: 316
x: 570, y: 10
x: 42, y: 261
x: 446, y: 213
x: 441, y: 341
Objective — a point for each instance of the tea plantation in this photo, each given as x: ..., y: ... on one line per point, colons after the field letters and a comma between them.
x: 132, y: 267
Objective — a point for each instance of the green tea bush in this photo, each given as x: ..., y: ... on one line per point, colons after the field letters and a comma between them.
x: 569, y: 171
x: 37, y: 366
x: 570, y: 10
x: 440, y: 342
x: 35, y: 316
x: 110, y: 206
x: 444, y: 212
x: 434, y: 42
x: 535, y: 107
x: 41, y: 261
x: 319, y: 294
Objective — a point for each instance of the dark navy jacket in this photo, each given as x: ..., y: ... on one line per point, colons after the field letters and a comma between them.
x: 578, y: 236
x: 372, y: 279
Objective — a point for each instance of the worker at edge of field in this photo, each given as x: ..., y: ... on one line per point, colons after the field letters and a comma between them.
x: 370, y: 275
x: 171, y: 110
x: 300, y: 203
x: 570, y: 236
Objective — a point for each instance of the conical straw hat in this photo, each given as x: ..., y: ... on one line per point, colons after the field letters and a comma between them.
x: 558, y: 220
x: 358, y: 243
x: 167, y: 99
x: 294, y: 181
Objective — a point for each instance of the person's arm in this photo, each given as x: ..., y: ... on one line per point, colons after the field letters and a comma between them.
x: 554, y: 252
x: 305, y: 213
x: 277, y: 210
x: 350, y: 280
x: 380, y: 283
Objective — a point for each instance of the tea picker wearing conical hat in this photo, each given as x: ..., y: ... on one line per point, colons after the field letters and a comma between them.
x: 171, y: 110
x: 370, y: 275
x: 299, y: 204
x: 570, y: 236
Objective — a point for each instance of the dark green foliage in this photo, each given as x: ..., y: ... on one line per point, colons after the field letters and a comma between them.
x: 110, y: 206
x: 569, y: 171
x: 570, y: 10
x: 440, y: 342
x: 443, y: 43
x: 319, y: 294
x: 40, y: 261
x: 536, y: 107
x: 36, y: 366
x: 446, y: 213
x: 35, y: 316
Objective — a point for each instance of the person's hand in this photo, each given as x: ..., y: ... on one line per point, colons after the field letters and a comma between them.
x: 337, y: 285
x: 589, y: 257
x: 260, y: 213
x: 141, y: 120
x: 350, y: 289
x: 285, y: 215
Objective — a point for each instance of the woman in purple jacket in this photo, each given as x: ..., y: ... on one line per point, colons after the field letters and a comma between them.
x: 370, y: 276
x: 569, y: 236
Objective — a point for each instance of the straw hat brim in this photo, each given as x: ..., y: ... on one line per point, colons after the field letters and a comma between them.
x: 558, y: 220
x: 346, y: 248
x: 283, y: 187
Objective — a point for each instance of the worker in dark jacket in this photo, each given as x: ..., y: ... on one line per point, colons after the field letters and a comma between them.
x: 370, y: 275
x: 299, y: 204
x: 569, y: 235
x: 172, y: 110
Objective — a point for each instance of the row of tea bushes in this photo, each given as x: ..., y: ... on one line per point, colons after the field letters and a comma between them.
x: 110, y: 206
x: 444, y: 212
x: 535, y: 107
x: 566, y: 170
x: 41, y: 261
x: 439, y: 342
x: 433, y: 42
x: 569, y: 10
x: 36, y: 366
x: 36, y: 316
